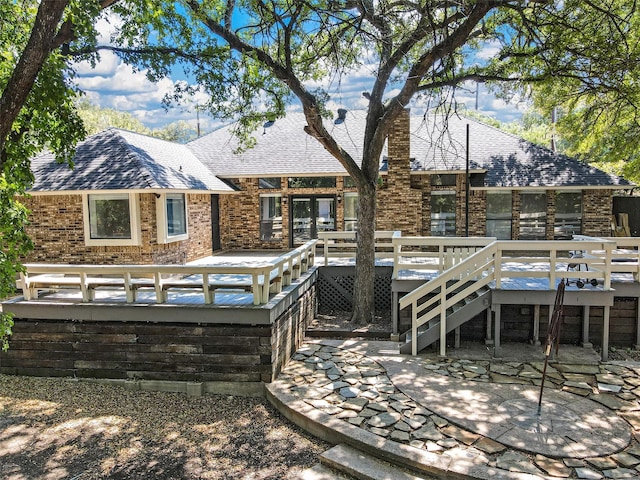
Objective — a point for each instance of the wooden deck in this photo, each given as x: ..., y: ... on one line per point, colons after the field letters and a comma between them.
x: 184, y: 336
x: 189, y: 305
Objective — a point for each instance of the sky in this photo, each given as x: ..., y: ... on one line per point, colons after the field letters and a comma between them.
x: 116, y: 85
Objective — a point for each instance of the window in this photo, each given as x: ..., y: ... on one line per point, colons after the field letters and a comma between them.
x: 350, y: 212
x: 312, y: 182
x: 111, y: 219
x: 443, y: 214
x: 568, y: 215
x: 171, y: 214
x: 270, y: 217
x: 445, y: 180
x: 348, y: 182
x: 533, y: 216
x: 271, y: 182
x: 499, y: 215
x: 176, y: 214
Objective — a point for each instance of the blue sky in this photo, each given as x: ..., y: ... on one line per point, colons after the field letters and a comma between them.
x: 113, y: 84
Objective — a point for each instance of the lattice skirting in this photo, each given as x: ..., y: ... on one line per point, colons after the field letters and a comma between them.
x: 335, y: 288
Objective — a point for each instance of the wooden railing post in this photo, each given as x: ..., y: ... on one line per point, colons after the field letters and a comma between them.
x: 443, y: 320
x: 552, y: 268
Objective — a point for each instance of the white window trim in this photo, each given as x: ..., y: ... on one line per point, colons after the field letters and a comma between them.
x: 260, y: 219
x: 161, y: 220
x: 134, y: 218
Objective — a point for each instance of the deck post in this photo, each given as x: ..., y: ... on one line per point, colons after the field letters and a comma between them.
x: 535, y: 340
x: 605, y: 333
x: 457, y: 338
x: 637, y: 344
x: 585, y: 327
x: 443, y: 321
x: 394, y: 312
x: 496, y: 335
x: 488, y: 340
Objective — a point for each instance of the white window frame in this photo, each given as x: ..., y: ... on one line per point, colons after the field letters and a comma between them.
x: 350, y: 220
x: 161, y: 219
x: 500, y: 220
x: 560, y: 218
x: 134, y: 219
x: 274, y: 237
x: 437, y: 219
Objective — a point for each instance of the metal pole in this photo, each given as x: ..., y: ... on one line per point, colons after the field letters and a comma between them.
x: 466, y: 226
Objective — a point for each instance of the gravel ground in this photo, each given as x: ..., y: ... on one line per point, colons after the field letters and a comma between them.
x: 64, y: 429
x: 341, y: 320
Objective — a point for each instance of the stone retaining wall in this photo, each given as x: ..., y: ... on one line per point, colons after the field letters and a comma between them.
x: 179, y: 351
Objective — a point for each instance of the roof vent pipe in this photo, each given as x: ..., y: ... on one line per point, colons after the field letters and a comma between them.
x: 342, y: 115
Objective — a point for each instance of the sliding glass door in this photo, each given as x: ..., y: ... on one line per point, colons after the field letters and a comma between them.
x: 310, y: 215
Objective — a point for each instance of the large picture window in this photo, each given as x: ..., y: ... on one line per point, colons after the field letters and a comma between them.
x: 111, y: 219
x: 533, y: 216
x: 443, y: 214
x: 270, y: 217
x: 568, y: 215
x: 499, y: 215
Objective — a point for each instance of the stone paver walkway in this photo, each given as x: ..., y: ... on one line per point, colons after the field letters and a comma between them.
x: 477, y: 412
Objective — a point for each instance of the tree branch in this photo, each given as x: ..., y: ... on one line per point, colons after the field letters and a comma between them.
x: 24, y: 75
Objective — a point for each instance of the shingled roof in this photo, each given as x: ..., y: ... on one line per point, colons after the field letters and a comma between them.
x: 284, y: 149
x: 509, y: 161
x: 121, y: 160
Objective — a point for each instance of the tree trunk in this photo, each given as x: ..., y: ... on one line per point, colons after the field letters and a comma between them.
x: 363, y: 288
x: 29, y: 65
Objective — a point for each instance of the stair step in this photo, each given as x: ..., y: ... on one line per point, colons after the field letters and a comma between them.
x: 362, y: 466
x: 320, y: 472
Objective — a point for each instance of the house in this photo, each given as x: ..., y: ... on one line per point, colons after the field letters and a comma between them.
x: 136, y: 199
x: 133, y: 199
x: 129, y: 199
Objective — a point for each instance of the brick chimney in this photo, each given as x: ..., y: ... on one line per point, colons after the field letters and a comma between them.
x: 399, y: 206
x: 399, y: 153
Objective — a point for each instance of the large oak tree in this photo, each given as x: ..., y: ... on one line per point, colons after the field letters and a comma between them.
x: 254, y: 56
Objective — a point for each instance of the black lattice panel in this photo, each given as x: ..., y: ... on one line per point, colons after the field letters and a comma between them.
x: 335, y: 288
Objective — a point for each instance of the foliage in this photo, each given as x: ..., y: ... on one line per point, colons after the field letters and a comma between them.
x: 37, y: 111
x: 180, y: 132
x: 96, y: 119
x: 598, y: 106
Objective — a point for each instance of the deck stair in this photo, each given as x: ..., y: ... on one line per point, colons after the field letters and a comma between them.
x: 344, y: 462
x: 459, y: 313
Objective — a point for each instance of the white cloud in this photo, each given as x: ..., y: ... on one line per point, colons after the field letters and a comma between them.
x: 106, y: 66
x: 488, y: 50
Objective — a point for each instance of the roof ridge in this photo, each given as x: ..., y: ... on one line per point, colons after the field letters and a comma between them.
x: 137, y: 159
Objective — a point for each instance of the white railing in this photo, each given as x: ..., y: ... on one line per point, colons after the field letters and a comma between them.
x: 551, y: 260
x: 344, y: 244
x: 260, y: 279
x: 625, y: 256
x: 433, y: 254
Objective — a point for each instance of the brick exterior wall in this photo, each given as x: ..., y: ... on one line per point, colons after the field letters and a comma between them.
x: 57, y: 230
x: 597, y: 208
